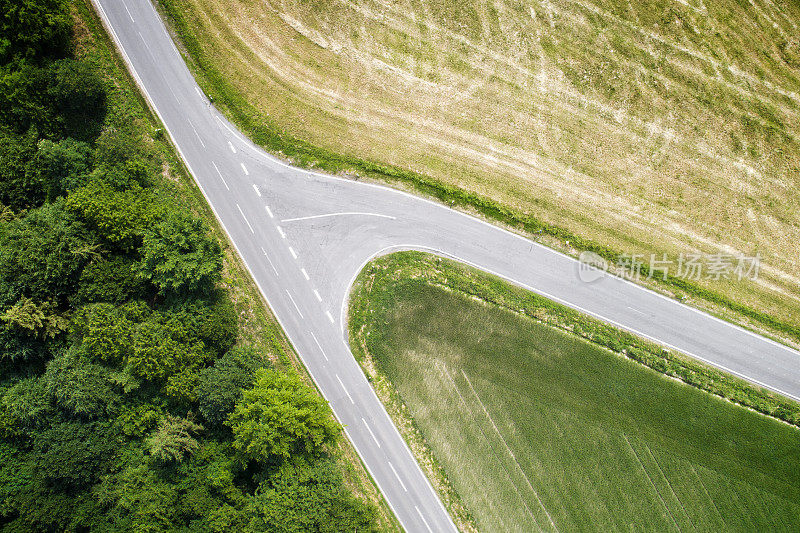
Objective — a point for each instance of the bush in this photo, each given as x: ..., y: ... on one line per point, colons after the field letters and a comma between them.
x: 280, y: 417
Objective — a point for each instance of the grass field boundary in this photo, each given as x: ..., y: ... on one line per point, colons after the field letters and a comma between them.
x: 301, y: 153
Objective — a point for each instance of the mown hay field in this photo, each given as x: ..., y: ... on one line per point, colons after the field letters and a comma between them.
x: 650, y: 126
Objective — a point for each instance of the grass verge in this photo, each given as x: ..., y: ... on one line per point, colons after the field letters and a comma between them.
x: 258, y: 327
x: 529, y: 416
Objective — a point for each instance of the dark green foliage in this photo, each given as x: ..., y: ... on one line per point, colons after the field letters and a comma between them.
x: 77, y: 94
x: 305, y: 496
x: 79, y: 387
x: 73, y: 454
x: 221, y: 385
x: 112, y: 280
x: 64, y: 98
x: 43, y: 256
x: 213, y: 321
x: 105, y: 333
x: 179, y: 257
x: 120, y: 218
x: 61, y: 166
x: 20, y: 188
x: 25, y: 405
x: 33, y: 28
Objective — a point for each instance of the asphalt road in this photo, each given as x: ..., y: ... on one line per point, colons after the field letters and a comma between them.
x: 304, y: 237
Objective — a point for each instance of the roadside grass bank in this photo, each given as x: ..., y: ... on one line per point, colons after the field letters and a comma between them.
x: 528, y: 416
x: 231, y: 68
x: 257, y: 327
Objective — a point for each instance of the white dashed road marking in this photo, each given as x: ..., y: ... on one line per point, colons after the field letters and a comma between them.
x: 316, y: 293
x: 269, y: 211
x: 280, y: 230
x: 270, y: 261
x: 294, y: 254
x: 129, y: 11
x: 230, y: 145
x: 245, y: 218
x: 370, y: 432
x: 220, y: 175
x: 423, y: 519
x: 345, y: 390
x: 295, y: 304
x: 255, y: 187
x: 319, y: 346
x: 330, y: 316
x: 244, y: 169
x: 305, y: 274
x: 397, y: 476
x: 197, y: 134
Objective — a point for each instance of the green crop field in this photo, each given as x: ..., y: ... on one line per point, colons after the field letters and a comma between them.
x: 538, y: 429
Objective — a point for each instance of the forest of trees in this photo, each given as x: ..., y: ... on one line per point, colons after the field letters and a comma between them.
x: 126, y: 403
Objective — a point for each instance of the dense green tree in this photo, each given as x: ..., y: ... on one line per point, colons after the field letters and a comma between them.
x: 154, y: 354
x: 307, y: 496
x: 73, y: 455
x: 20, y: 187
x: 280, y: 416
x: 178, y: 256
x: 174, y: 439
x: 221, y: 385
x: 34, y: 28
x: 64, y: 98
x: 105, y: 333
x: 42, y: 256
x: 137, y: 419
x: 80, y: 387
x: 24, y: 405
x: 78, y: 99
x: 61, y: 166
x: 120, y: 218
x: 138, y: 498
x: 112, y: 279
x: 23, y: 103
x: 212, y: 320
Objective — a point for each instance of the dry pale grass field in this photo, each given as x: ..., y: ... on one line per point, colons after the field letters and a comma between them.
x: 649, y: 126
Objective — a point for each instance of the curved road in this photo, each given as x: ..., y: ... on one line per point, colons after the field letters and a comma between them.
x: 304, y: 236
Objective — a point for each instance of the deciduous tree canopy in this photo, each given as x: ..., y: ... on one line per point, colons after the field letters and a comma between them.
x: 118, y: 358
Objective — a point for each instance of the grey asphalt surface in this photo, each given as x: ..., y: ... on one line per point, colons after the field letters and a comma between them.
x: 304, y: 237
